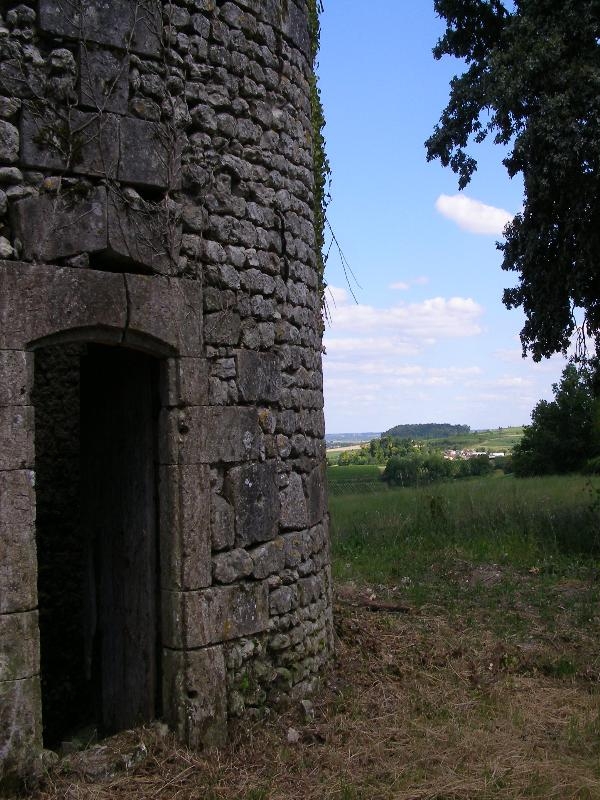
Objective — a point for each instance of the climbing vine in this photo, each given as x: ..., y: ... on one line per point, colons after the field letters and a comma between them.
x: 321, y: 168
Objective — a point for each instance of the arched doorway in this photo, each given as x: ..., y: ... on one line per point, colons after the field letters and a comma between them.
x: 96, y: 422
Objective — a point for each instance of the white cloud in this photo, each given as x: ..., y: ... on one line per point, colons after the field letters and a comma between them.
x: 368, y: 346
x: 473, y: 215
x: 509, y: 355
x: 412, y: 324
x: 404, y: 286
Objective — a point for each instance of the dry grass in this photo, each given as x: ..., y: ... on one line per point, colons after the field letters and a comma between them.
x: 432, y: 705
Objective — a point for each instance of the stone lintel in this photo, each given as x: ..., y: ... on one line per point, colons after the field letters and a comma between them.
x: 194, y: 688
x: 211, y: 616
x: 185, y: 527
x: 169, y: 311
x: 39, y: 301
x: 18, y: 559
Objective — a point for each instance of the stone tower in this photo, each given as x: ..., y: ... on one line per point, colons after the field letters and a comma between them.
x: 163, y: 530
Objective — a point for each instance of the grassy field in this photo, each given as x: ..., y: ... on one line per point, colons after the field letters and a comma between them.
x: 467, y: 667
x: 538, y: 522
x: 355, y: 479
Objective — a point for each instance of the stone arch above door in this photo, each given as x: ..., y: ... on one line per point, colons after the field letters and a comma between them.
x: 155, y: 314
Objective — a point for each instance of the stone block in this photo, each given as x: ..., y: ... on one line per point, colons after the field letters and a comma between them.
x: 283, y: 600
x: 296, y: 28
x: 103, y: 79
x: 311, y: 588
x: 185, y: 527
x: 222, y: 328
x: 16, y: 377
x: 168, y: 311
x: 215, y: 615
x: 9, y: 143
x: 268, y: 558
x: 316, y: 493
x: 296, y: 548
x: 20, y: 730
x: 19, y: 78
x: 232, y: 566
x: 128, y: 24
x: 52, y: 227
x: 253, y: 491
x: 259, y: 376
x: 205, y: 435
x: 294, y: 510
x: 146, y: 233
x: 222, y: 523
x: 150, y: 154
x: 185, y: 382
x: 83, y: 142
x: 194, y: 695
x: 16, y: 437
x: 19, y: 646
x: 18, y: 560
x: 38, y: 301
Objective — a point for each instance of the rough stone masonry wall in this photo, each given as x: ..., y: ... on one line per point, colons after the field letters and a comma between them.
x: 171, y: 142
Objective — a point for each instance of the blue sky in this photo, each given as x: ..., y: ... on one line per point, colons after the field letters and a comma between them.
x: 429, y: 340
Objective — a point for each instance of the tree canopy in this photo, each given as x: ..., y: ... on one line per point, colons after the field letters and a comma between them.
x: 532, y: 81
x: 428, y: 430
x: 564, y: 433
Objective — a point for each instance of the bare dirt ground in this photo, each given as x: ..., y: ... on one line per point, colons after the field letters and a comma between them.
x: 421, y: 704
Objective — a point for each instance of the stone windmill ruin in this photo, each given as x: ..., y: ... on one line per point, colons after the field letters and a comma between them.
x: 163, y: 532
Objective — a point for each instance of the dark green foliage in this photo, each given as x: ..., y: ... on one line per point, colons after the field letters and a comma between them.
x: 564, y: 433
x: 378, y: 451
x: 321, y: 168
x: 421, y: 469
x: 429, y: 430
x: 533, y: 80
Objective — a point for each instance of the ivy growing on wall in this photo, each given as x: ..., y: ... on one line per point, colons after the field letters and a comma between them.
x: 321, y: 168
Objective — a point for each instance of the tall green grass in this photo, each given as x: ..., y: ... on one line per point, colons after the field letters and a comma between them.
x: 355, y: 479
x: 548, y: 524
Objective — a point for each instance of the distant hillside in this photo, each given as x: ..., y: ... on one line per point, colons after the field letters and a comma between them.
x: 427, y: 430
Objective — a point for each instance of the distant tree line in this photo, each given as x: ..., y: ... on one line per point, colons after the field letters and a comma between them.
x: 420, y: 469
x: 379, y: 451
x: 428, y: 430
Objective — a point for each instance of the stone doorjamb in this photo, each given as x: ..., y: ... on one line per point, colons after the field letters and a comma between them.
x: 41, y: 306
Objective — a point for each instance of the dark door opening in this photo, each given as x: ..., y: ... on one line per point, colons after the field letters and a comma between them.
x: 96, y: 439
